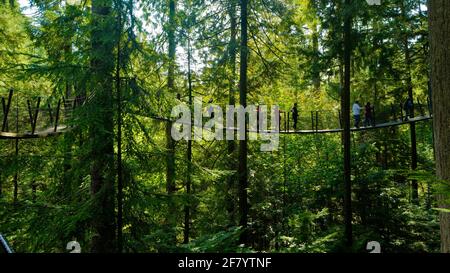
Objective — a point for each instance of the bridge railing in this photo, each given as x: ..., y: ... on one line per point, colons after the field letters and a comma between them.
x: 33, y: 115
x: 332, y: 120
x: 29, y: 116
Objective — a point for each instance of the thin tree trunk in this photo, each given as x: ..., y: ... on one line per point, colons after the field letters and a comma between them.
x: 119, y: 136
x: 68, y: 139
x: 231, y: 145
x: 170, y: 143
x: 242, y: 168
x: 439, y: 24
x: 316, y: 58
x: 187, y: 218
x: 346, y: 125
x: 315, y: 62
x: 16, y: 174
x: 16, y: 158
x: 376, y: 42
x: 412, y: 125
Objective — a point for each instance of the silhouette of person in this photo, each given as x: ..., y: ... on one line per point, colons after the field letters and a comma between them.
x: 294, y: 111
x: 368, y: 113
x: 408, y: 108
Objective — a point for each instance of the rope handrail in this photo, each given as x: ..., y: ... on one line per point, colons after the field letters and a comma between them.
x: 40, y: 120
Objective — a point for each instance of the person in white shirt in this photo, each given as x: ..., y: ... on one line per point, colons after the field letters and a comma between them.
x: 356, y: 109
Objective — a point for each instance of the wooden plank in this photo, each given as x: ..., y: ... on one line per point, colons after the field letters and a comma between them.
x: 49, y: 132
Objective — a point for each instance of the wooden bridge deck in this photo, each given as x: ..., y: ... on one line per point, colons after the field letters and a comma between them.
x: 354, y: 129
x: 40, y: 134
x: 62, y: 129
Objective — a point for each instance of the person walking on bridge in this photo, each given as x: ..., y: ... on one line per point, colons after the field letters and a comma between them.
x: 294, y: 112
x: 356, y: 109
x: 409, y: 105
x: 368, y: 114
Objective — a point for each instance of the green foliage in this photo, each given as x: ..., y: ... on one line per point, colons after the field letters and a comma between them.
x: 222, y: 242
x: 295, y: 193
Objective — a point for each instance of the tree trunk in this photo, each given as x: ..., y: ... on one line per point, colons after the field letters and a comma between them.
x: 68, y: 139
x: 412, y: 125
x: 16, y: 174
x: 346, y: 124
x: 119, y: 135
x: 242, y: 168
x: 170, y: 143
x: 187, y: 224
x: 102, y: 127
x: 231, y: 145
x: 316, y: 58
x: 16, y: 158
x: 439, y: 24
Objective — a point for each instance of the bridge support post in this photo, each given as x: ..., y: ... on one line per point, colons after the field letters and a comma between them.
x: 317, y: 121
x: 6, y: 108
x: 16, y: 159
x: 289, y: 121
x: 50, y: 113
x: 57, y: 116
x: 33, y: 118
x: 414, y: 185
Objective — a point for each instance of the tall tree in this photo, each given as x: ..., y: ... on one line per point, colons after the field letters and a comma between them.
x: 187, y: 218
x: 409, y: 87
x: 439, y: 24
x: 102, y: 126
x: 119, y: 133
x: 315, y: 51
x: 346, y: 122
x: 187, y: 208
x: 231, y: 145
x: 170, y: 143
x: 243, y: 148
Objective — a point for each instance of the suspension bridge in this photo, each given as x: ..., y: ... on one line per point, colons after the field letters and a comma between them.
x: 28, y: 118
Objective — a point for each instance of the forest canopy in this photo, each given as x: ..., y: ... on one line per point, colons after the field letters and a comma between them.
x: 89, y: 89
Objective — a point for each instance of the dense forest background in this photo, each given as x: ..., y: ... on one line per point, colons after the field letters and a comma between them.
x: 117, y: 181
